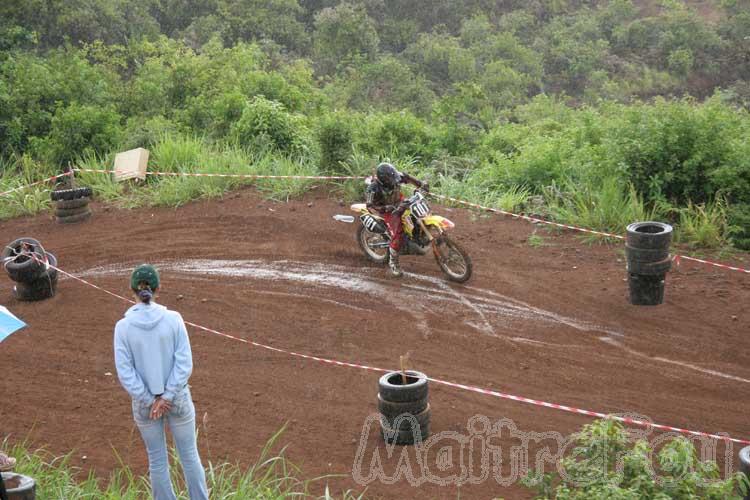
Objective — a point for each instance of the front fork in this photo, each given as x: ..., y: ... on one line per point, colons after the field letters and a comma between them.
x: 432, y: 238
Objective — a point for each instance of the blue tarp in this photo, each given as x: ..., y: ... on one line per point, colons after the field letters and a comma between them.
x: 8, y: 323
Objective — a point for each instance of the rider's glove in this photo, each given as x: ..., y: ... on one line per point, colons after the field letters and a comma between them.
x: 426, y: 186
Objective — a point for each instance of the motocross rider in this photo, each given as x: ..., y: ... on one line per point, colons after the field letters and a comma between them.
x: 383, y: 195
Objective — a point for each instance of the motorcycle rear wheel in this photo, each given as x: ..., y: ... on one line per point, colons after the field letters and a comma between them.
x: 452, y: 259
x: 365, y: 238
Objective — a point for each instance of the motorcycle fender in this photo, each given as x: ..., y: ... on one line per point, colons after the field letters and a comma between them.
x: 436, y: 220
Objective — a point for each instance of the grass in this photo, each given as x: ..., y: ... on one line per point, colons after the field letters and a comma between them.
x: 535, y: 241
x: 271, y: 477
x: 605, y: 206
x: 703, y: 226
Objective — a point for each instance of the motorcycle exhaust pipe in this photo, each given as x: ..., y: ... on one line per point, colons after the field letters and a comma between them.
x: 349, y: 219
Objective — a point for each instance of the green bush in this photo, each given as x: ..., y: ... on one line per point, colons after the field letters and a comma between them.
x: 738, y: 218
x: 401, y: 134
x: 77, y: 131
x: 266, y: 123
x: 606, y: 464
x: 336, y: 140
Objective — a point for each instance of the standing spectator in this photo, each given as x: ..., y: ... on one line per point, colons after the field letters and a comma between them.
x: 154, y: 363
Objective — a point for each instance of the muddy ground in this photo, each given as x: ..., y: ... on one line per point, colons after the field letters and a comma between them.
x: 549, y: 322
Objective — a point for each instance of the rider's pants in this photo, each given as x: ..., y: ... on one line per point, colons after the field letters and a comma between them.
x: 395, y: 229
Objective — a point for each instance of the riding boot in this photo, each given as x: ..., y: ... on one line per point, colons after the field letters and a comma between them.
x: 393, y: 263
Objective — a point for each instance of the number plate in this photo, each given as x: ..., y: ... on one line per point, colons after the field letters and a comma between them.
x: 420, y: 209
x: 369, y: 222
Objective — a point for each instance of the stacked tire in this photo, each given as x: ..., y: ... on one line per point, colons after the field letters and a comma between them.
x: 404, y: 407
x: 32, y: 268
x: 72, y: 205
x: 647, y: 251
x: 18, y: 486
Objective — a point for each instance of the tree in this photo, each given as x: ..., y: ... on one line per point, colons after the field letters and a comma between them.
x: 342, y: 35
x: 276, y: 20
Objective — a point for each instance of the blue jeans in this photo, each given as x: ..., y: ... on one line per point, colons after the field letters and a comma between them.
x: 181, y: 420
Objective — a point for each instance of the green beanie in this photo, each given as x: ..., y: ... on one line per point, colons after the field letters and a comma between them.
x: 147, y: 273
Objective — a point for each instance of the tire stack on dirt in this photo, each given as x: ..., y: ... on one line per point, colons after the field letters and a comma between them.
x: 32, y: 268
x: 404, y: 407
x: 72, y: 205
x: 649, y: 261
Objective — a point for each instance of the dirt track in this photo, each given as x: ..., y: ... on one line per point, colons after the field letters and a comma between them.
x: 550, y: 323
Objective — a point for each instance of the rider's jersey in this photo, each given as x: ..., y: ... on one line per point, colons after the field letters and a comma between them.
x: 377, y: 196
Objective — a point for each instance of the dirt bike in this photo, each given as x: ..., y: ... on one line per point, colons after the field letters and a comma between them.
x: 422, y: 232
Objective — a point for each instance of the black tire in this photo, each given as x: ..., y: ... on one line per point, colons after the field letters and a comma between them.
x: 392, y: 389
x: 405, y: 437
x: 650, y: 268
x: 70, y: 212
x: 74, y: 218
x: 20, y: 267
x: 70, y: 204
x: 51, y: 272
x: 391, y: 409
x: 405, y: 422
x: 649, y: 235
x: 457, y: 264
x: 71, y: 194
x: 646, y: 254
x: 39, y: 290
x: 26, y: 490
x: 378, y: 256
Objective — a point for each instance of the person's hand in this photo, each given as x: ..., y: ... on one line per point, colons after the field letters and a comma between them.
x: 160, y: 408
x: 426, y: 186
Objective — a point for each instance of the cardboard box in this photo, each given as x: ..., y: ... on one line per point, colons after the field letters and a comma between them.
x: 131, y: 164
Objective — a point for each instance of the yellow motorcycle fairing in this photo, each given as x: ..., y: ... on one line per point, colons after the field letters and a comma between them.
x: 438, y: 221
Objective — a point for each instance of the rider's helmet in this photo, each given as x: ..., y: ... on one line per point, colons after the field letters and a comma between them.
x: 388, y: 176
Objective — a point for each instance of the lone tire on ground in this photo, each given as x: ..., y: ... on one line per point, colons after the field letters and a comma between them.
x: 70, y: 212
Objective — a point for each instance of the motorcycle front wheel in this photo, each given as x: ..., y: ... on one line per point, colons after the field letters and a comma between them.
x: 374, y: 245
x: 452, y: 259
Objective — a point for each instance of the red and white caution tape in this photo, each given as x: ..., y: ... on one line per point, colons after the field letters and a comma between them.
x: 677, y: 259
x: 479, y: 390
x: 535, y: 220
x: 239, y: 176
x: 526, y: 217
x: 6, y: 193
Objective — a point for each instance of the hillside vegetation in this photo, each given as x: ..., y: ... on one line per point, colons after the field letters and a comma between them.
x: 594, y: 112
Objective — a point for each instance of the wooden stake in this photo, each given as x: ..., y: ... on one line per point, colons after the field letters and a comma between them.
x: 402, y: 362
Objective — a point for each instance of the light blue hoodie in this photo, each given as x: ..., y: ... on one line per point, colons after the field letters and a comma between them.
x: 152, y: 352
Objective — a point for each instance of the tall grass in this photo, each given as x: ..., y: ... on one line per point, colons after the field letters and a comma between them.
x: 703, y: 226
x: 272, y: 476
x: 21, y: 172
x: 606, y: 207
